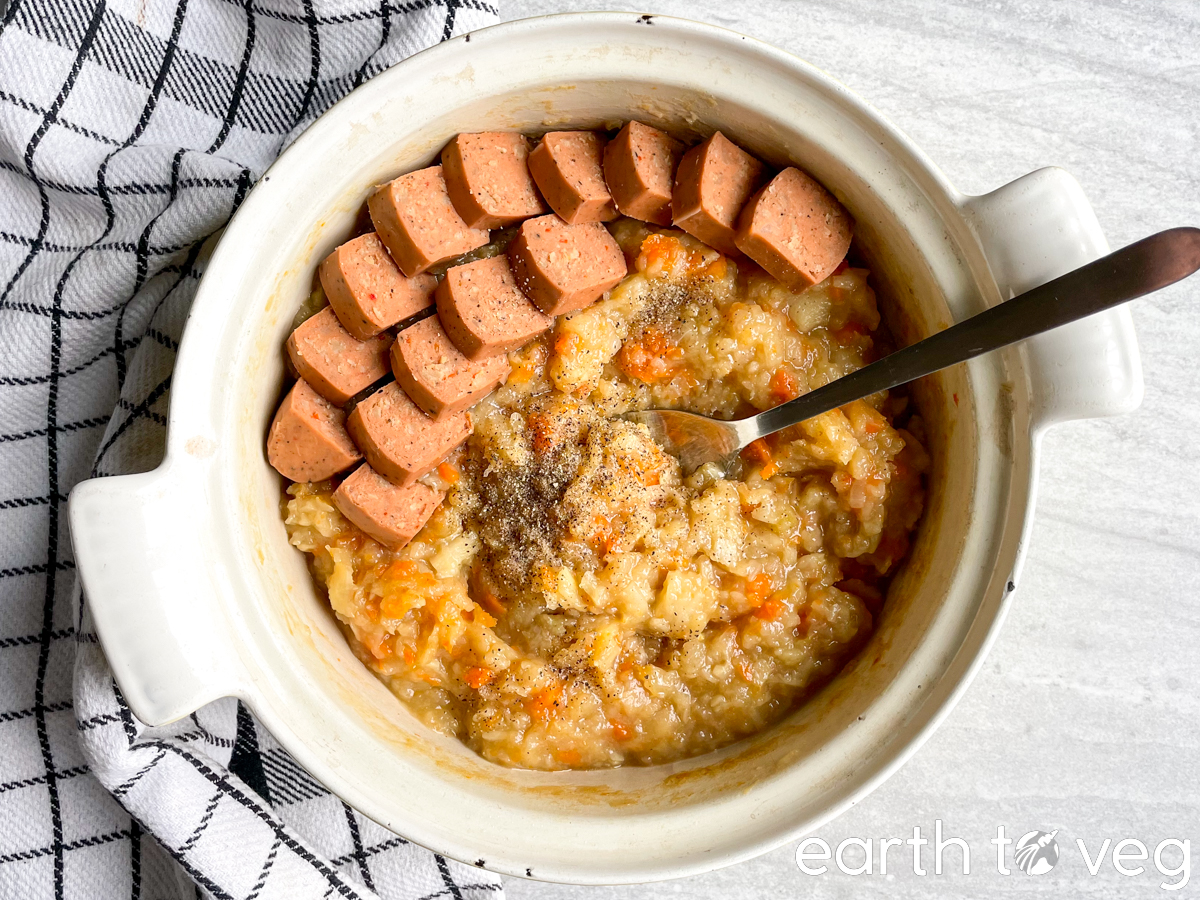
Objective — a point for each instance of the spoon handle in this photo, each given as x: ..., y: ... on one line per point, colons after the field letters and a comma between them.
x: 1150, y: 264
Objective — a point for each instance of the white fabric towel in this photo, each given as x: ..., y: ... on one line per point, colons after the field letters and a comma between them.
x: 129, y: 131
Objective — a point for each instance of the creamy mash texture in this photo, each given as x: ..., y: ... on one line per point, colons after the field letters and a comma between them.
x: 576, y: 602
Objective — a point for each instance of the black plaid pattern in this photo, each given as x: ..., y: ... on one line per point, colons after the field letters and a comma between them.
x: 129, y: 132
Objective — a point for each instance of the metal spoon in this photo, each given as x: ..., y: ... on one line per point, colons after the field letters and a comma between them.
x: 1150, y: 264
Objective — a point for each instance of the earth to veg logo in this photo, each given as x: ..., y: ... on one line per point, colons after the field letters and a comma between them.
x: 1036, y: 853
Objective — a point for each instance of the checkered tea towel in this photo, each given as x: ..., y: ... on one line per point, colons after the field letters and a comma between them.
x: 129, y: 131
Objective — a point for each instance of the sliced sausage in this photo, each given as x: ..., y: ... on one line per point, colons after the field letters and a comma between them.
x: 399, y: 441
x: 484, y: 311
x: 392, y: 515
x: 436, y: 376
x: 367, y: 290
x: 712, y: 184
x: 308, y: 440
x: 418, y: 224
x: 639, y: 169
x: 487, y: 176
x: 564, y: 267
x: 335, y: 362
x: 566, y: 166
x: 795, y: 229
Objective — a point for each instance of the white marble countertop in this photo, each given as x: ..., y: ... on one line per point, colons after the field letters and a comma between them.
x: 1086, y: 717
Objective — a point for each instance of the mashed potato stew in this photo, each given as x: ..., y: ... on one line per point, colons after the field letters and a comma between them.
x: 577, y: 602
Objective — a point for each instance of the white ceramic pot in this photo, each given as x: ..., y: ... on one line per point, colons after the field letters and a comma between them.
x: 197, y: 593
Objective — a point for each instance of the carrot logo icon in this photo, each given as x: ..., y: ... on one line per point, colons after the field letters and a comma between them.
x: 1036, y: 853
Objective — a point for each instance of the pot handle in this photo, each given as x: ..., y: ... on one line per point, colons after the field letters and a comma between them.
x: 153, y: 591
x: 1033, y: 230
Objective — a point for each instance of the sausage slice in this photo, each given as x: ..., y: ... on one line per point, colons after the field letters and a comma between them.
x: 484, y: 311
x: 418, y: 224
x: 367, y: 290
x: 399, y: 441
x: 564, y: 267
x: 639, y: 168
x: 713, y: 183
x: 392, y: 515
x: 335, y: 362
x: 795, y: 229
x: 307, y: 440
x: 566, y: 166
x: 487, y: 176
x: 436, y: 376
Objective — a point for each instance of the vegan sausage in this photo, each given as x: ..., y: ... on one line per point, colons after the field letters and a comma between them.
x: 564, y: 267
x: 392, y: 515
x: 712, y: 184
x: 436, y: 376
x: 795, y: 229
x: 307, y: 440
x: 367, y: 290
x: 487, y: 176
x: 418, y: 224
x: 335, y: 362
x: 399, y: 441
x: 566, y: 166
x: 484, y: 311
x: 639, y: 169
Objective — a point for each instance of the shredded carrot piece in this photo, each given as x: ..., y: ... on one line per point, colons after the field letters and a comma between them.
x: 620, y: 730
x: 411, y: 571
x: 758, y: 588
x: 542, y: 429
x: 481, y: 616
x: 394, y: 607
x: 771, y: 610
x: 403, y: 583
x: 651, y: 357
x: 660, y: 251
x: 492, y: 604
x: 543, y: 704
x: 784, y: 386
x: 717, y: 268
x: 760, y: 451
x: 565, y: 342
x: 477, y: 676
x: 569, y: 757
x: 657, y: 249
x: 526, y: 362
x: 604, y: 534
x: 448, y: 473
